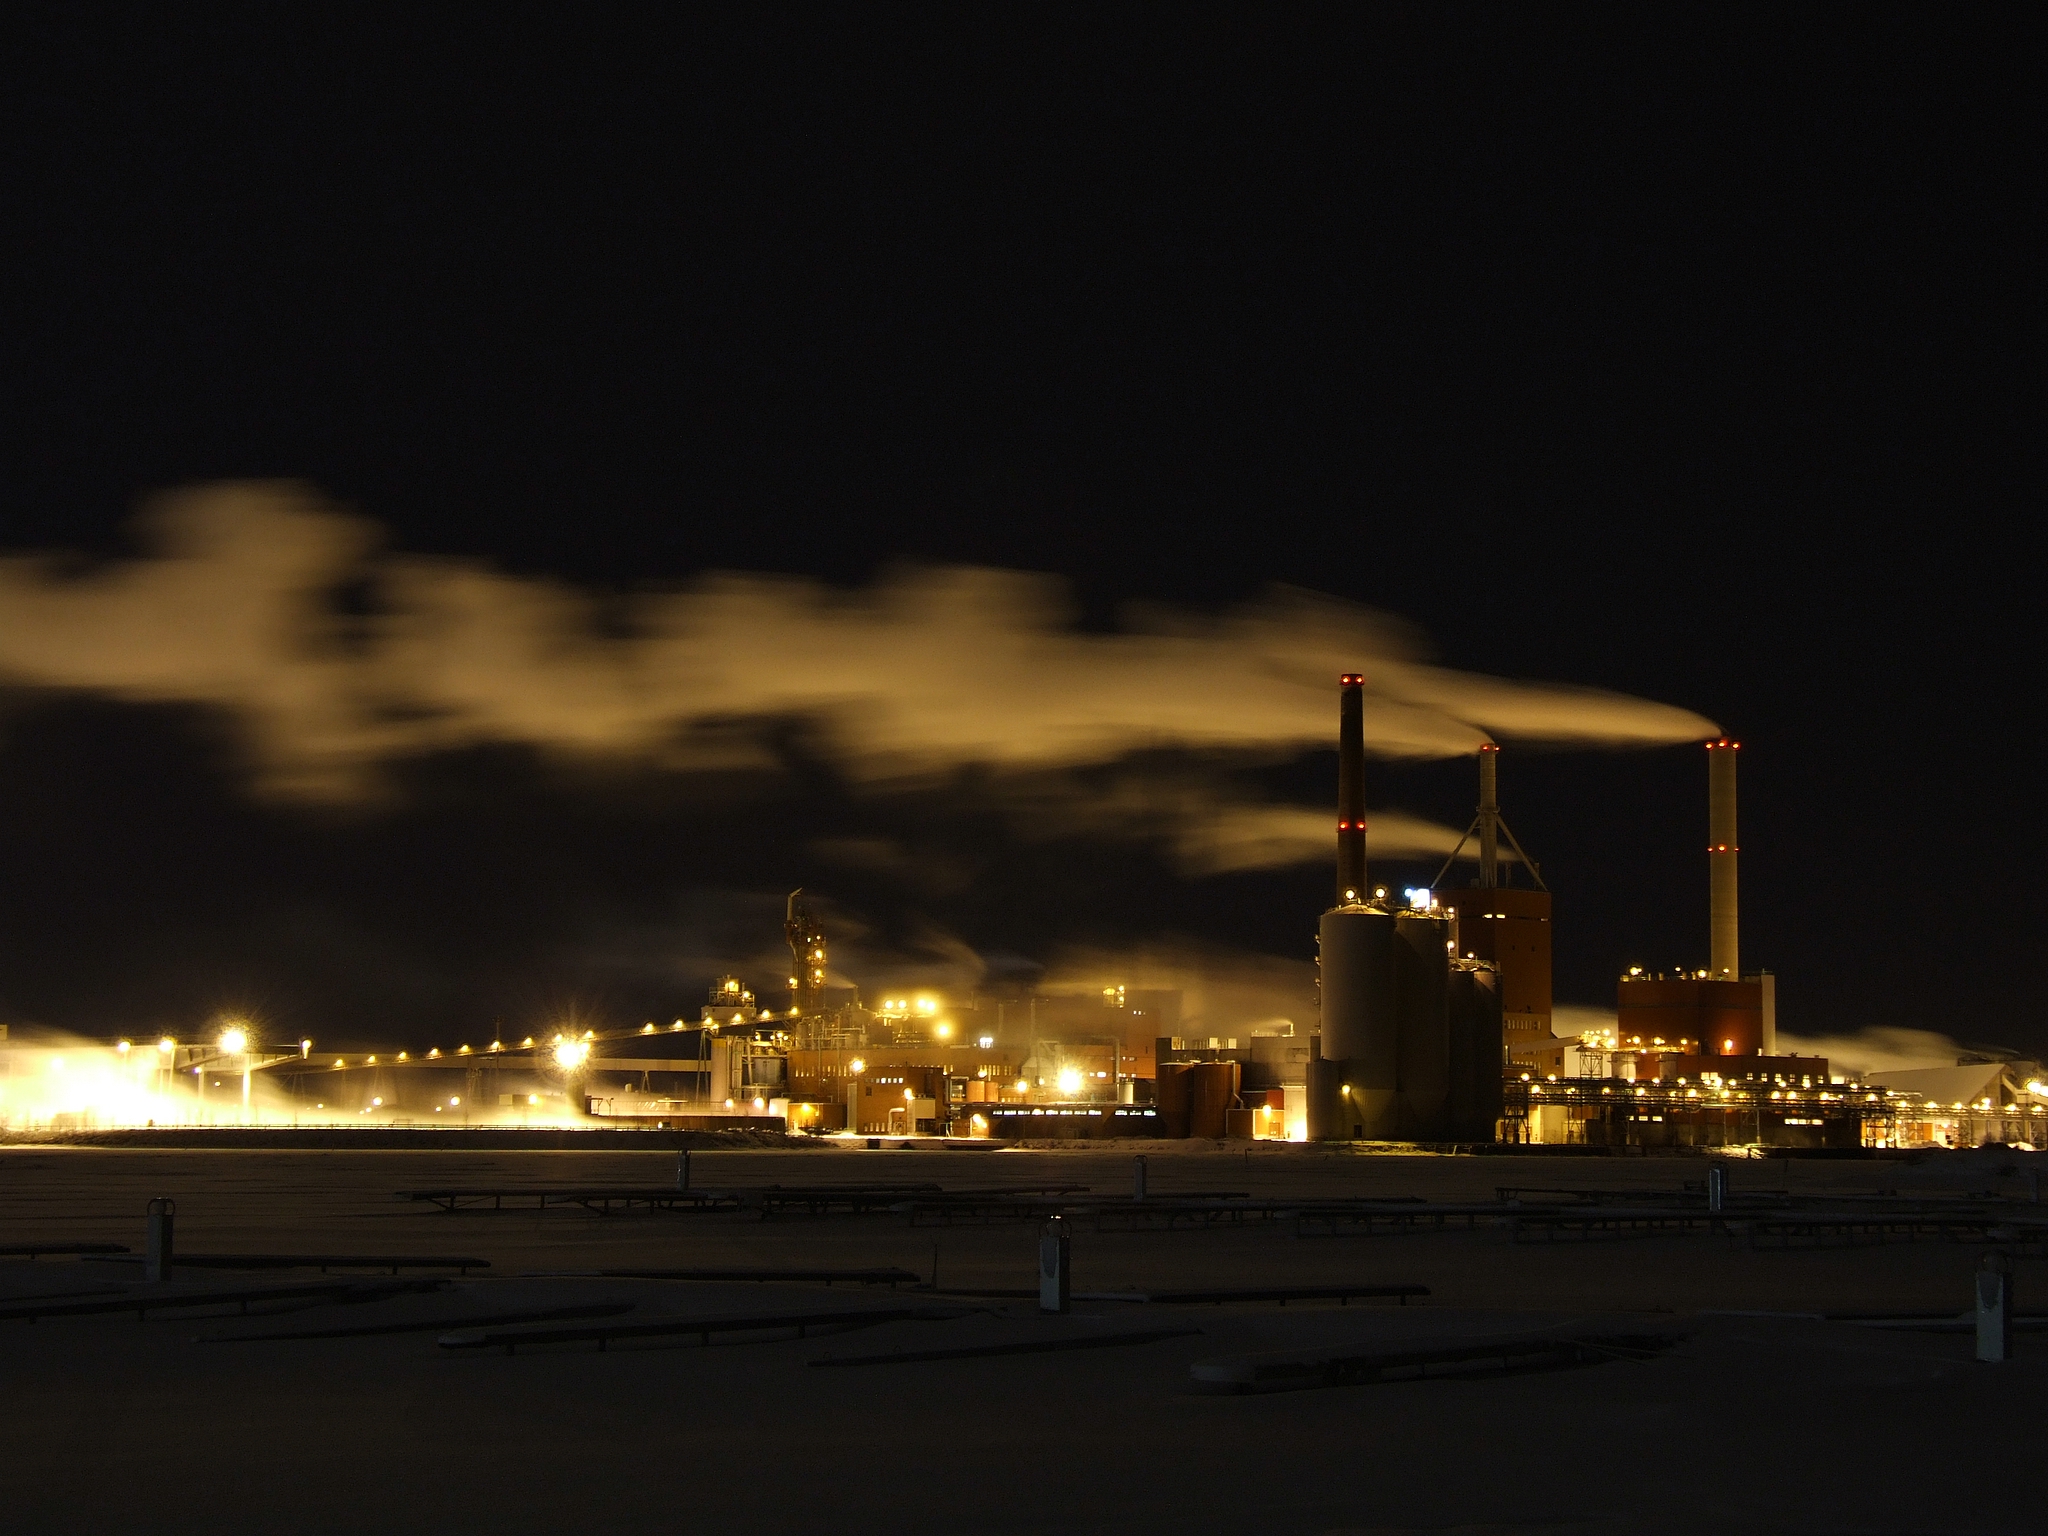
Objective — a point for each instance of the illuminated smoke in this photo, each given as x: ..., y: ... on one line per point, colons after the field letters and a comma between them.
x: 1223, y: 992
x: 1880, y: 1048
x: 924, y: 672
x: 1265, y: 836
x: 61, y: 1083
x: 1568, y: 1021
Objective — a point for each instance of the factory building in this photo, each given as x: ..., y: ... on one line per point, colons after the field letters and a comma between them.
x: 1717, y: 1011
x: 1693, y: 1060
x: 1434, y: 1024
x: 1410, y: 1041
x: 1500, y: 924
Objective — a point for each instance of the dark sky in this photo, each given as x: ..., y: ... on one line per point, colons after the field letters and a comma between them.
x: 1687, y: 351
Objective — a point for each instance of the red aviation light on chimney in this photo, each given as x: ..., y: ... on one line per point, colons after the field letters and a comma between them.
x: 1352, y: 680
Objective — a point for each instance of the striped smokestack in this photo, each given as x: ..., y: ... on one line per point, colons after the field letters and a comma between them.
x: 1725, y: 955
x: 1351, y: 789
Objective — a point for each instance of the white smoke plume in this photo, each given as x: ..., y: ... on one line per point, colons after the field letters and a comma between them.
x: 1570, y: 1020
x: 921, y: 673
x: 1223, y: 992
x: 1880, y: 1048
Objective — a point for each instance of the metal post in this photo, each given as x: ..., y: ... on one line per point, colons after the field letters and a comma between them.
x: 1137, y: 1178
x: 1994, y: 1309
x: 156, y: 1259
x: 1055, y: 1289
x: 1717, y: 1190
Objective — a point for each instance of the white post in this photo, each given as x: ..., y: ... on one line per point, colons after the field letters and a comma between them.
x: 156, y: 1256
x: 1994, y: 1309
x: 1055, y: 1290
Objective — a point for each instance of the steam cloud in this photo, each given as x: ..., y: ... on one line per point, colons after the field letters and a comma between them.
x: 1877, y: 1048
x: 925, y: 672
x: 1881, y: 1048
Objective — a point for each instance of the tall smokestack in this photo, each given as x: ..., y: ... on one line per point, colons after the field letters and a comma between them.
x: 1489, y: 817
x: 1725, y: 956
x: 1351, y: 789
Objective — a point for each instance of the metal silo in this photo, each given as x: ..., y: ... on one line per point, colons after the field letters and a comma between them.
x: 1422, y: 964
x: 1478, y: 1050
x: 1360, y: 1028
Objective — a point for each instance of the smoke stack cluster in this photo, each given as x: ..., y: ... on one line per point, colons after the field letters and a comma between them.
x: 1351, y: 789
x: 1724, y: 954
x: 1409, y: 1041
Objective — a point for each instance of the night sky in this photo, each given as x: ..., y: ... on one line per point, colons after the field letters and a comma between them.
x: 1681, y: 351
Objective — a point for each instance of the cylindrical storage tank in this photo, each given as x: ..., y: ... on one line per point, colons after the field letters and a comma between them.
x: 1212, y: 1094
x: 1360, y: 1032
x: 1422, y: 967
x: 977, y: 1091
x: 1171, y: 1089
x: 1324, y: 1107
x: 1478, y: 1052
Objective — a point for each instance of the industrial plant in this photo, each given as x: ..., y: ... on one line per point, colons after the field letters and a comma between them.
x: 1433, y: 1026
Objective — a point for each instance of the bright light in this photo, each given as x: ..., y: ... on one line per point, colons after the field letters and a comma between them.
x: 167, y: 1045
x: 856, y: 1065
x: 533, y: 1098
x: 986, y: 1042
x: 760, y: 1103
x: 943, y: 1031
x: 234, y: 1040
x: 377, y: 1103
x: 1022, y: 1086
x: 455, y: 1101
x: 571, y: 1054
x: 927, y: 1005
x: 910, y: 1093
x: 123, y: 1047
x: 1070, y: 1081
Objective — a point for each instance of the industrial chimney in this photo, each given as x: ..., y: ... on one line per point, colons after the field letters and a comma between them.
x: 1351, y: 789
x: 1725, y: 960
x: 1489, y: 817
